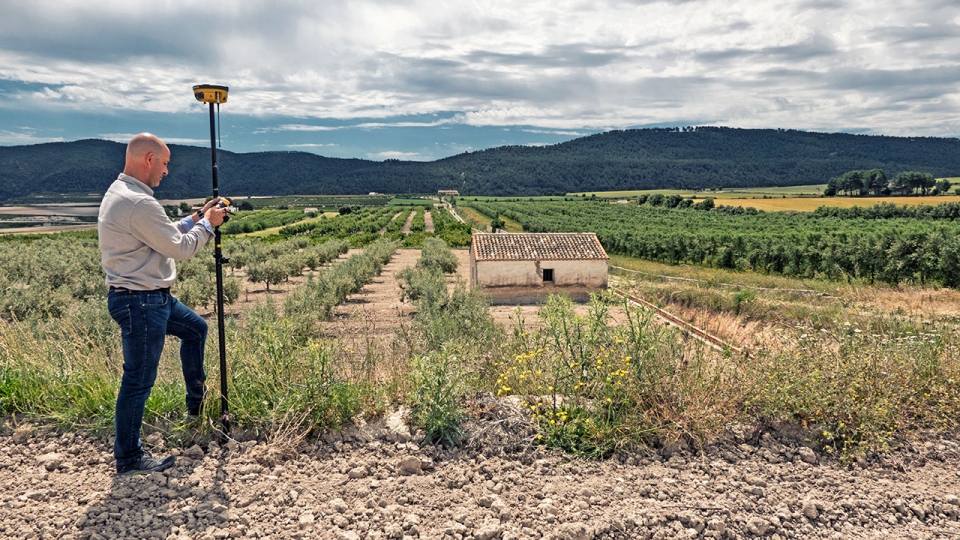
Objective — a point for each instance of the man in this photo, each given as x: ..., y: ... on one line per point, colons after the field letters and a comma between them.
x: 138, y: 247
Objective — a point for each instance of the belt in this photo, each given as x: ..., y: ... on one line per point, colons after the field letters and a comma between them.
x: 123, y: 290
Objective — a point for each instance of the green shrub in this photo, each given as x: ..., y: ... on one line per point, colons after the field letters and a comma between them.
x: 593, y: 387
x: 438, y: 386
x: 436, y: 254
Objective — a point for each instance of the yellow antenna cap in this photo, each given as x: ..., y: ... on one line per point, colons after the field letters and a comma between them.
x: 210, y: 93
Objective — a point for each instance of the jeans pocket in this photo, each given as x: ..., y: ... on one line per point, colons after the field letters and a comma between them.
x: 121, y: 314
x: 155, y: 298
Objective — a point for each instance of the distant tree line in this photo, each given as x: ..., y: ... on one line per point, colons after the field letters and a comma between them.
x: 674, y: 201
x: 874, y: 182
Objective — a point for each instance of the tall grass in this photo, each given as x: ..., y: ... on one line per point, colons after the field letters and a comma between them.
x: 280, y: 371
x: 865, y: 391
x: 67, y: 370
x: 594, y: 387
x: 451, y: 344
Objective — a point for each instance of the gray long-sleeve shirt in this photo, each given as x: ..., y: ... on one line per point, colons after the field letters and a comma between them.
x: 138, y: 243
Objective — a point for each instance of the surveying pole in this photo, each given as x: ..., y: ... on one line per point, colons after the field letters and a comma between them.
x: 213, y: 94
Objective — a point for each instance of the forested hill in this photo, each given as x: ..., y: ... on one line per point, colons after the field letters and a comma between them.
x: 633, y: 159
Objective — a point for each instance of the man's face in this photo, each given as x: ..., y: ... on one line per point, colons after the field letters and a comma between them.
x: 158, y: 167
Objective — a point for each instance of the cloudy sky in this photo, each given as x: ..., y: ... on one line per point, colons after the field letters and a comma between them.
x: 414, y: 79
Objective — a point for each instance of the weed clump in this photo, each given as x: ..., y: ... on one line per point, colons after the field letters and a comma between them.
x: 593, y: 387
x: 450, y: 343
x: 438, y: 386
x: 862, y: 391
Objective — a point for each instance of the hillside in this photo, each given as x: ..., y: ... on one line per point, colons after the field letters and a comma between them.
x: 633, y: 159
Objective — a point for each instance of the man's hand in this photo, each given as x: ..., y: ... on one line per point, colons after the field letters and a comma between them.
x: 215, y: 214
x: 210, y: 204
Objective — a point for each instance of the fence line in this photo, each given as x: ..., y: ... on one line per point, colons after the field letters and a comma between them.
x: 711, y: 340
x: 691, y: 280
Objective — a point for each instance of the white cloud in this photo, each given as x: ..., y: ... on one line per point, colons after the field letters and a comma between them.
x: 557, y: 132
x: 296, y: 127
x: 378, y: 125
x: 562, y: 66
x: 390, y: 154
x: 125, y: 138
x: 24, y: 137
x: 311, y: 145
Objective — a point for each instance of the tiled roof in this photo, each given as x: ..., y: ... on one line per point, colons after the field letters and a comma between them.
x: 537, y: 246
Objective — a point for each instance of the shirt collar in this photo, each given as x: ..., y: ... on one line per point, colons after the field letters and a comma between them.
x: 135, y: 183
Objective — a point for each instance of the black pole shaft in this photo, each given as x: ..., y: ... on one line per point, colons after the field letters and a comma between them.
x: 218, y: 255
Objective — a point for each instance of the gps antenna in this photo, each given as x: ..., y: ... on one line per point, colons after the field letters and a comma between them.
x: 213, y: 94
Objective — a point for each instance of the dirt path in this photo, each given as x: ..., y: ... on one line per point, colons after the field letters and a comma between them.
x: 428, y: 222
x: 376, y: 311
x: 406, y: 226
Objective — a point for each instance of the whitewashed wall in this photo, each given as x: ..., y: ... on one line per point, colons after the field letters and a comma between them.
x: 590, y: 274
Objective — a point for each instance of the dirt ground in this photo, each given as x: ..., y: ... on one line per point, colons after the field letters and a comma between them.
x: 375, y: 481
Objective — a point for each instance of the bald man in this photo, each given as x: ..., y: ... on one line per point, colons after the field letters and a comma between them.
x: 138, y: 247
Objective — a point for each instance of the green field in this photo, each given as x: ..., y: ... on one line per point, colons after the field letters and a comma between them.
x: 400, y: 201
x: 276, y: 230
x: 888, y: 243
x: 493, y: 199
x: 307, y: 201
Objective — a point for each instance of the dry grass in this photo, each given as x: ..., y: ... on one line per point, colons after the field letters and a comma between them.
x: 918, y: 303
x: 469, y: 214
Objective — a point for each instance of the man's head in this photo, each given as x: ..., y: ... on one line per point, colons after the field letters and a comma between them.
x: 147, y: 159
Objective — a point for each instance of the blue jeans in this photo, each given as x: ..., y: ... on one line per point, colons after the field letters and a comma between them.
x: 145, y: 319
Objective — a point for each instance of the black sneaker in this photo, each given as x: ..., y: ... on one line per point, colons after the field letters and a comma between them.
x: 147, y: 465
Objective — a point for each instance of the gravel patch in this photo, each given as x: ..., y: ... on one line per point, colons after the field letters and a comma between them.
x: 363, y: 484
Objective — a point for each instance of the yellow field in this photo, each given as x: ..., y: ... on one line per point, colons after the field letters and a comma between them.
x: 809, y: 204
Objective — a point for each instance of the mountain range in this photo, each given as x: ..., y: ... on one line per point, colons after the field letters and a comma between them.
x: 690, y: 157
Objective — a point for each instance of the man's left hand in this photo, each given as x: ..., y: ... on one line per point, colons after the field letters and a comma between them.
x: 210, y: 204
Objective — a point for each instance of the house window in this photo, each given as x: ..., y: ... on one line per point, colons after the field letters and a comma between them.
x: 547, y: 275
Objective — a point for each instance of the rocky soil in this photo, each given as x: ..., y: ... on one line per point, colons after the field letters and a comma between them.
x: 375, y: 481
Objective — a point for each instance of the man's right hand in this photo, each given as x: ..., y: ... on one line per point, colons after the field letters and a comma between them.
x: 215, y: 215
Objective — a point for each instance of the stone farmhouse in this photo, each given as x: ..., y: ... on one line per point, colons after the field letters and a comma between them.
x: 522, y: 268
